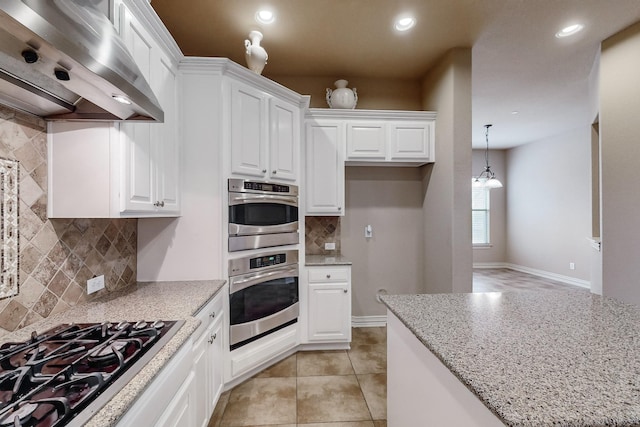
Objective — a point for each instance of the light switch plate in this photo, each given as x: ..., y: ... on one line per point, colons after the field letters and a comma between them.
x: 95, y: 284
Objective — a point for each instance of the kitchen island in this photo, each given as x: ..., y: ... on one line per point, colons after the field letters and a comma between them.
x: 144, y: 301
x: 544, y: 358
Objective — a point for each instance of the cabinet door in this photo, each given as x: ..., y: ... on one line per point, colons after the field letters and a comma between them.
x: 329, y: 312
x: 249, y: 131
x: 366, y: 140
x: 325, y: 168
x: 411, y: 141
x: 203, y: 378
x: 217, y: 361
x: 284, y: 140
x: 165, y: 137
x: 138, y: 171
x: 180, y: 411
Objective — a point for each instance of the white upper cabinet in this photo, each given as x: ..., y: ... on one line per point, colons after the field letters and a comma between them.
x: 152, y: 149
x: 284, y: 141
x: 265, y: 134
x: 411, y: 141
x: 366, y: 140
x: 324, y: 167
x: 385, y: 137
x: 121, y: 169
x: 249, y: 130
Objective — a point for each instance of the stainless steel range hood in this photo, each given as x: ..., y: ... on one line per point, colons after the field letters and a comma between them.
x: 63, y: 60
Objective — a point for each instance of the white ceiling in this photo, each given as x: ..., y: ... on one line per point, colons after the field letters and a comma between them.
x: 518, y: 63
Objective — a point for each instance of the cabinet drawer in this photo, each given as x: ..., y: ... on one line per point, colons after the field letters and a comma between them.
x: 210, y: 312
x: 326, y: 275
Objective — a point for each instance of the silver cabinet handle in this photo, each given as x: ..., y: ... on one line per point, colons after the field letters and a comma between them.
x: 213, y: 314
x: 212, y: 338
x: 339, y: 208
x: 159, y: 204
x: 345, y: 291
x: 328, y: 276
x: 274, y: 172
x: 264, y: 171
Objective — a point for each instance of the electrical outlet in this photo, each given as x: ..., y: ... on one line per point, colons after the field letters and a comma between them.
x: 95, y: 284
x: 368, y: 231
x: 330, y: 246
x: 572, y: 266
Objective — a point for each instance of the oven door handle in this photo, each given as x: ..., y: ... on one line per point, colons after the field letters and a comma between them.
x: 244, y: 199
x: 239, y: 283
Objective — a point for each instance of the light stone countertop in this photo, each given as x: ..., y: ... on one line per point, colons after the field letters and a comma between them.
x: 325, y: 260
x: 144, y: 301
x: 544, y: 358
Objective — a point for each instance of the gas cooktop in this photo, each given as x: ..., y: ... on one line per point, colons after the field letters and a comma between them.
x: 66, y: 374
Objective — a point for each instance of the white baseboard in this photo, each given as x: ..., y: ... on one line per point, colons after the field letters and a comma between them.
x: 490, y: 265
x: 540, y: 273
x: 368, y: 321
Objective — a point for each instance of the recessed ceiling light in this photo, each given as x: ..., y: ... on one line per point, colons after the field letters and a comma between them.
x: 569, y: 31
x: 265, y: 16
x: 404, y: 23
x: 515, y: 112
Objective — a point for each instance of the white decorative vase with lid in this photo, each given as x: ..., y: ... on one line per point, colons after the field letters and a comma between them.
x: 255, y: 54
x: 342, y: 96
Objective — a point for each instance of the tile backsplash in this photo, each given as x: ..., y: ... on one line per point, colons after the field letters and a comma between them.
x: 56, y: 256
x: 320, y: 230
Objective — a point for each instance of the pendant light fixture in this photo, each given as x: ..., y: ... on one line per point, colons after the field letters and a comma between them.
x: 487, y: 178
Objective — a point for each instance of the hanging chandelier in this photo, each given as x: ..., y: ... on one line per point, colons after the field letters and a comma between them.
x: 487, y: 178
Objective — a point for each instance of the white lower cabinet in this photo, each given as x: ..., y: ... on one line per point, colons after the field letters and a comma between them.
x: 181, y: 410
x: 208, y: 359
x: 329, y: 303
x: 173, y: 390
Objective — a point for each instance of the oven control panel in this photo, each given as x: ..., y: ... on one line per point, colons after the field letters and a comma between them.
x: 261, y: 187
x: 267, y: 261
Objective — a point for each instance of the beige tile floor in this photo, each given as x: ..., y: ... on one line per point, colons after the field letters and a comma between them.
x: 315, y: 389
x: 338, y: 388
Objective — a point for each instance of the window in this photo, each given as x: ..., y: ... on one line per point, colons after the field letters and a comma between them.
x: 480, y: 215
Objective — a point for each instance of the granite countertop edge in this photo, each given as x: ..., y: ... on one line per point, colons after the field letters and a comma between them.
x: 325, y: 260
x: 175, y: 300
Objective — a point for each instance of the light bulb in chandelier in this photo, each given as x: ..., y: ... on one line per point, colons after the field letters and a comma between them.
x: 487, y: 177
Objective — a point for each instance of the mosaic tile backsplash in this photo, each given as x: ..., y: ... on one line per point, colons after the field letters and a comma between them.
x: 320, y: 230
x: 56, y: 257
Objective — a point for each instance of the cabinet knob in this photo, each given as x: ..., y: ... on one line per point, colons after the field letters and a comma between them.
x: 213, y: 314
x: 339, y: 208
x: 328, y: 276
x: 274, y: 172
x: 159, y: 204
x: 264, y: 171
x: 345, y: 291
x: 212, y: 338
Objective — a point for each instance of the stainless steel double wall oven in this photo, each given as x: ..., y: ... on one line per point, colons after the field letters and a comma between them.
x: 263, y: 286
x: 262, y: 214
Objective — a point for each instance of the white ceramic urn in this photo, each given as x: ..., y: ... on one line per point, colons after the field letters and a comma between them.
x: 342, y: 96
x: 255, y: 54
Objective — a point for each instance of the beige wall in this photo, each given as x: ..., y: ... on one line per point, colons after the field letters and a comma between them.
x: 56, y: 256
x: 549, y: 204
x: 447, y: 200
x: 373, y: 94
x: 496, y: 253
x: 620, y: 164
x: 390, y: 200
